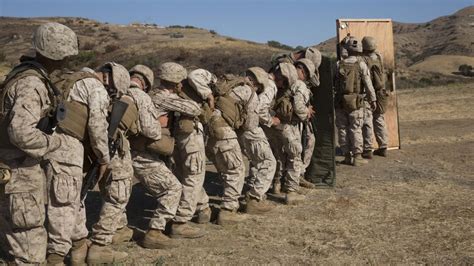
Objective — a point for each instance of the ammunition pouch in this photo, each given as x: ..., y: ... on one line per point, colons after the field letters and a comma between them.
x: 186, y: 125
x: 284, y: 109
x: 163, y: 146
x: 352, y: 102
x: 231, y: 111
x: 217, y: 127
x: 74, y: 122
x: 5, y: 173
x: 382, y: 101
x: 206, y: 114
x: 130, y: 118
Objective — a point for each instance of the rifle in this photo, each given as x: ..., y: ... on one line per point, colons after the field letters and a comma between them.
x: 304, y: 138
x: 92, y: 177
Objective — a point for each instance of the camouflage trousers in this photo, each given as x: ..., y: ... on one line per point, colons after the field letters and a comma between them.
x: 368, y: 129
x: 115, y: 190
x: 227, y: 157
x: 292, y: 163
x: 262, y: 162
x: 349, y: 130
x: 160, y: 182
x: 309, y: 147
x: 274, y: 138
x: 22, y: 212
x: 191, y: 170
x: 380, y: 129
x: 374, y: 124
x: 66, y: 212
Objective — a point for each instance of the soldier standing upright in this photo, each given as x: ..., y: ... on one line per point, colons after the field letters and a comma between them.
x: 27, y: 105
x: 353, y: 84
x: 374, y: 121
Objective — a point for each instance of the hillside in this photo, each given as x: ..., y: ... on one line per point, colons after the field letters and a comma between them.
x: 415, y: 42
x: 148, y: 44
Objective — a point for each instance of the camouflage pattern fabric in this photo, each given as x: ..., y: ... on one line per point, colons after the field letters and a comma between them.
x: 380, y: 129
x: 308, y: 150
x: 349, y: 130
x: 368, y: 128
x: 190, y: 151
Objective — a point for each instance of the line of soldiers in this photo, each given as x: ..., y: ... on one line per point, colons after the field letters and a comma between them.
x: 57, y: 124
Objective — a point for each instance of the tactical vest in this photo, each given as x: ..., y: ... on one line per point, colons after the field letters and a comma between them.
x: 348, y: 78
x: 129, y: 122
x: 25, y: 69
x: 72, y: 115
x: 376, y: 72
x: 284, y: 106
x: 186, y: 125
x: 233, y: 111
x: 349, y: 86
x: 164, y: 146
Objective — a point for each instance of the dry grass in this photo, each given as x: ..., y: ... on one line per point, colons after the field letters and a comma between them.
x: 444, y: 64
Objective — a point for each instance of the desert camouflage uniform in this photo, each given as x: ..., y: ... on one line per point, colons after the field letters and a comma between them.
x: 368, y: 127
x: 66, y: 212
x: 115, y: 189
x: 170, y: 103
x: 255, y: 144
x: 349, y: 125
x: 149, y: 168
x: 191, y: 151
x: 310, y: 143
x: 377, y: 123
x: 22, y: 202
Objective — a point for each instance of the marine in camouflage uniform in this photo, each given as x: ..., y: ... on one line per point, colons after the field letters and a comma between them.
x: 149, y: 167
x: 27, y: 100
x: 374, y: 120
x: 257, y: 148
x: 168, y: 102
x: 312, y: 54
x: 286, y: 79
x: 190, y: 150
x: 349, y: 124
x: 115, y: 186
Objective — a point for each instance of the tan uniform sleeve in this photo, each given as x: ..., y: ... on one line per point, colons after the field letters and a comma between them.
x: 147, y: 114
x: 91, y: 92
x: 265, y: 101
x: 365, y: 75
x: 301, y: 96
x: 165, y: 101
x: 30, y: 99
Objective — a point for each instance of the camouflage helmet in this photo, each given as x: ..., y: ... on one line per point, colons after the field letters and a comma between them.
x: 55, y: 41
x: 288, y: 71
x: 120, y: 76
x: 201, y: 80
x: 353, y: 45
x: 369, y: 43
x: 313, y: 54
x: 261, y: 75
x: 308, y: 64
x: 172, y: 72
x: 145, y: 72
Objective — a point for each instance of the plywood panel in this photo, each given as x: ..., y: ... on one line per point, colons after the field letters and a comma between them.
x: 382, y: 31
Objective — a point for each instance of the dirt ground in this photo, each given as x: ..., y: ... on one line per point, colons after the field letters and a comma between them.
x: 413, y: 207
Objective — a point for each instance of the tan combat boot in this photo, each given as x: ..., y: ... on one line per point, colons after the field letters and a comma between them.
x: 55, y: 260
x: 122, y: 235
x: 358, y: 160
x: 204, y: 216
x: 228, y: 217
x: 381, y: 152
x: 79, y: 252
x: 367, y: 154
x: 98, y: 254
x: 255, y: 206
x: 293, y: 198
x: 155, y: 239
x: 185, y: 230
x: 306, y: 184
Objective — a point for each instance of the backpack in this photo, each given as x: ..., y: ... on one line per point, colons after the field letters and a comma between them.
x: 72, y: 116
x: 284, y: 106
x: 233, y: 111
x: 25, y: 69
x: 348, y: 78
x: 376, y: 72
